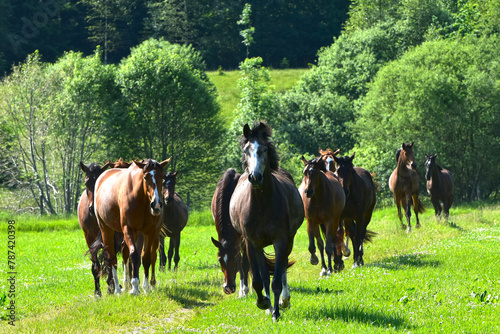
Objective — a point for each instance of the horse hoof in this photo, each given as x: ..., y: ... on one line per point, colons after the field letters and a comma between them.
x: 347, y: 252
x: 323, y: 273
x: 314, y: 260
x: 285, y: 303
x: 418, y: 225
x: 276, y: 317
x: 264, y: 304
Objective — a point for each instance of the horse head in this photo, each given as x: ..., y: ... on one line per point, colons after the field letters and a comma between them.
x: 312, y: 170
x: 169, y: 182
x: 259, y: 153
x: 92, y: 172
x: 152, y: 182
x: 327, y: 157
x: 345, y: 171
x: 120, y: 163
x: 230, y: 263
x: 430, y: 164
x: 406, y: 156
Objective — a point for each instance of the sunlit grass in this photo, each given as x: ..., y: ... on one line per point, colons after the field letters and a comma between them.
x: 444, y: 277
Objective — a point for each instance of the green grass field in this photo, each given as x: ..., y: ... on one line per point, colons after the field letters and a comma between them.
x: 229, y: 93
x: 444, y: 277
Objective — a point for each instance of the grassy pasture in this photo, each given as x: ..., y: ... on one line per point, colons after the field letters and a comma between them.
x: 229, y: 92
x: 444, y: 277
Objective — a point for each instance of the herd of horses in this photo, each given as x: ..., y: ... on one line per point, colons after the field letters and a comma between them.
x: 132, y: 206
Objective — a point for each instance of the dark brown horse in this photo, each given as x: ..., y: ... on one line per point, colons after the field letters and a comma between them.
x: 266, y: 209
x: 439, y: 185
x: 404, y: 184
x: 175, y: 217
x: 360, y: 191
x: 86, y: 216
x: 328, y: 165
x: 230, y: 249
x: 130, y: 201
x: 323, y: 199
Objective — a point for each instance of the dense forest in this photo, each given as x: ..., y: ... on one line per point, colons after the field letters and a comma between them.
x: 286, y: 32
x: 128, y: 79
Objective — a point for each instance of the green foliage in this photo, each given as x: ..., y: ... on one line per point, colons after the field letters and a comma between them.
x: 444, y: 96
x: 244, y: 21
x: 171, y: 110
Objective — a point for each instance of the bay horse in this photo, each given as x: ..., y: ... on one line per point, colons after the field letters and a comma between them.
x: 439, y: 185
x: 360, y: 191
x: 86, y: 216
x: 323, y: 200
x: 328, y: 165
x: 231, y: 251
x: 404, y: 183
x: 130, y: 201
x: 266, y: 209
x: 175, y: 217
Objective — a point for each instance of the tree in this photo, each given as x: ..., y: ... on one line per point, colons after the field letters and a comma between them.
x: 172, y: 111
x: 25, y: 96
x: 245, y: 22
x: 444, y: 96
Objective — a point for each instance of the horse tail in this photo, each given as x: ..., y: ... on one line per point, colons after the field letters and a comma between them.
x: 369, y: 235
x: 421, y: 206
x: 271, y: 262
x: 222, y: 197
x: 94, y: 249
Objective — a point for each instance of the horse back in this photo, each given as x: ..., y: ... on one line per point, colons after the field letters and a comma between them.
x: 220, y: 203
x: 88, y: 222
x: 294, y: 201
x: 175, y: 217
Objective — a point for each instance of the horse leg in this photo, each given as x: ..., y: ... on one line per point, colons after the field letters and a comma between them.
x: 149, y: 261
x: 244, y: 268
x: 399, y: 202
x: 257, y: 262
x: 126, y: 266
x: 129, y: 236
x: 96, y: 272
x: 171, y: 248
x: 285, y: 294
x: 408, y: 213
x: 108, y: 238
x: 163, y: 257
x: 312, y: 247
x: 416, y: 208
x: 176, y: 255
x: 360, y: 237
x: 347, y: 234
x: 280, y: 249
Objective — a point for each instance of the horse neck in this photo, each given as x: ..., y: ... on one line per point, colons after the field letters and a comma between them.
x: 402, y: 168
x: 436, y: 175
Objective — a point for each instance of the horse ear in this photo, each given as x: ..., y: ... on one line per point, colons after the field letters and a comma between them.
x: 175, y: 174
x: 103, y: 168
x: 435, y: 155
x: 336, y: 152
x: 165, y: 162
x: 141, y: 165
x: 322, y: 152
x: 352, y: 156
x: 246, y: 131
x: 216, y: 243
x: 84, y: 168
x: 403, y: 146
x: 303, y: 160
x: 411, y: 145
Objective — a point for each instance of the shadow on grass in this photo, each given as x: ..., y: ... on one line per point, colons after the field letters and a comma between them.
x: 401, y: 262
x: 316, y: 291
x: 192, y: 294
x: 359, y: 315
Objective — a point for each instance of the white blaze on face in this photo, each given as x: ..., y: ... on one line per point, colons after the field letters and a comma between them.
x: 254, y: 158
x: 156, y: 199
x: 225, y: 259
x: 328, y: 162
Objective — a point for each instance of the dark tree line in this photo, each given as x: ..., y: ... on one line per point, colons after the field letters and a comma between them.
x: 287, y: 32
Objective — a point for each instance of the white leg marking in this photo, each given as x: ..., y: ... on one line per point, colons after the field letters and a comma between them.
x: 285, y: 293
x: 243, y: 289
x: 135, y: 286
x: 126, y: 277
x: 118, y: 290
x: 323, y: 272
x: 145, y: 285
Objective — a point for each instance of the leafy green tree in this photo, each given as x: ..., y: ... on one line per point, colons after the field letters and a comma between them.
x: 444, y: 96
x: 245, y: 22
x: 85, y: 93
x: 171, y: 110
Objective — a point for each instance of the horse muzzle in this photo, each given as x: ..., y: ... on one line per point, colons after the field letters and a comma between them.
x: 229, y: 289
x: 156, y: 208
x: 255, y: 179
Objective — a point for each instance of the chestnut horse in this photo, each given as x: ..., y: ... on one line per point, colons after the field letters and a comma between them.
x: 439, y: 185
x: 230, y: 248
x: 266, y: 209
x: 404, y: 183
x: 323, y: 199
x: 175, y: 217
x: 86, y: 216
x: 130, y: 201
x: 360, y: 191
